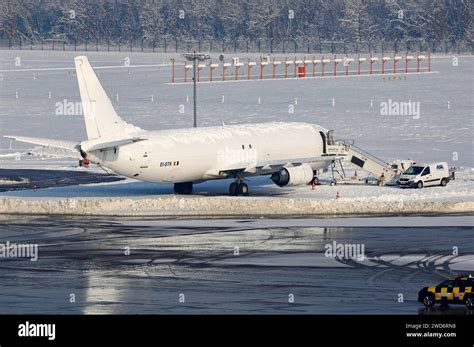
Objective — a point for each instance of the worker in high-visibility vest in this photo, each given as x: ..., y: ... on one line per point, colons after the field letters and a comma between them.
x: 382, y: 179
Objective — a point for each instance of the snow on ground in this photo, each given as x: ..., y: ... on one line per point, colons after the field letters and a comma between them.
x: 443, y: 132
x: 135, y: 198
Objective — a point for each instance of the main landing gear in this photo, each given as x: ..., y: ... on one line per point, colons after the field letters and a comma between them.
x: 185, y: 188
x: 239, y: 187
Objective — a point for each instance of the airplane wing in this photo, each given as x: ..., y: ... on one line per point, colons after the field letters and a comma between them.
x: 298, y: 161
x: 269, y: 166
x: 60, y: 147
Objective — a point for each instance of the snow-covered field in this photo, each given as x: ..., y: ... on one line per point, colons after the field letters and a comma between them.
x: 443, y: 132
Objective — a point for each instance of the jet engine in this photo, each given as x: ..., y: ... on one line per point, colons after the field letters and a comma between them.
x: 293, y: 176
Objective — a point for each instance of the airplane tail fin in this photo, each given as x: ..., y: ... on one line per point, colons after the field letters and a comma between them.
x: 99, y: 114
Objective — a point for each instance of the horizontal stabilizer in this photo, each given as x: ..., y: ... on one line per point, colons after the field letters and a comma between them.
x: 61, y: 144
x: 95, y: 145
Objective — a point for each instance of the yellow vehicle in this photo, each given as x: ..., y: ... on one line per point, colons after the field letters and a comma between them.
x: 452, y: 291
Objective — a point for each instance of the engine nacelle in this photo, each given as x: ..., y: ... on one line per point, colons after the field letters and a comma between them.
x: 293, y: 176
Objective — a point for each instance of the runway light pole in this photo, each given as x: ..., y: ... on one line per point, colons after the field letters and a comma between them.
x: 195, y: 58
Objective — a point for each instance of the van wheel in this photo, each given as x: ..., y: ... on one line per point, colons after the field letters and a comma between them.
x: 469, y: 301
x: 444, y: 182
x: 419, y: 185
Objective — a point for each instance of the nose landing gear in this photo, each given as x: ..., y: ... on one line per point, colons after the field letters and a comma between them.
x: 84, y: 163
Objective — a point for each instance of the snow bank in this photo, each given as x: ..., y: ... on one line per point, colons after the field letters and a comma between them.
x: 133, y: 198
x: 226, y: 206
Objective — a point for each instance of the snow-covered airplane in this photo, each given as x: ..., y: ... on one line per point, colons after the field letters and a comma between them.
x: 289, y: 153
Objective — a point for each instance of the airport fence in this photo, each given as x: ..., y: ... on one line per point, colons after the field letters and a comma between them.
x: 174, y: 45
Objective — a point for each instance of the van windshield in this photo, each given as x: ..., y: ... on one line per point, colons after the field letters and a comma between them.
x: 414, y: 170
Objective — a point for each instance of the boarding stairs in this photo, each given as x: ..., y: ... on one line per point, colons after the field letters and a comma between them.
x: 360, y: 158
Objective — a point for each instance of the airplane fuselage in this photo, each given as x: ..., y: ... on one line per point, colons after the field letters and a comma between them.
x: 199, y: 154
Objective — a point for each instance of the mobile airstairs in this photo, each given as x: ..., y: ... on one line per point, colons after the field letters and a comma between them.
x: 347, y: 152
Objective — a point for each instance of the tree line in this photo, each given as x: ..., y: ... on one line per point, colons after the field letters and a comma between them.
x: 351, y: 21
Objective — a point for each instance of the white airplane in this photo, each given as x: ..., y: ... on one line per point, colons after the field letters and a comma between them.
x: 289, y: 153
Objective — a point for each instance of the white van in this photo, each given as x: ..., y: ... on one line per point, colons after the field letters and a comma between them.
x: 398, y: 167
x: 419, y: 176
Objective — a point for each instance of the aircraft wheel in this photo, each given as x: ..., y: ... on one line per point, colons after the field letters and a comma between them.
x: 183, y: 188
x: 243, y: 189
x: 233, y: 189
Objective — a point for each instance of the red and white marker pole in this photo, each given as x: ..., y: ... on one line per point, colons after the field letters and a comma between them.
x: 383, y: 64
x: 429, y: 60
x: 406, y: 62
x: 418, y: 62
x: 322, y: 66
x: 172, y: 70
x: 251, y: 64
x: 371, y: 63
x: 273, y: 68
x: 212, y: 67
